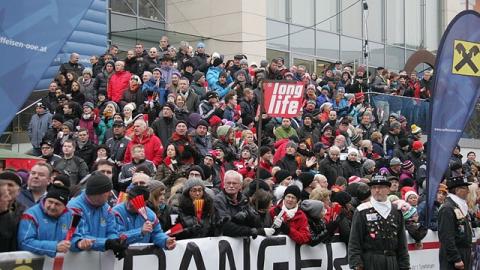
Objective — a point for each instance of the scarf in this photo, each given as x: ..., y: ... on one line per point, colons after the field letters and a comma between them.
x: 290, y: 213
x: 383, y: 208
x: 462, y: 204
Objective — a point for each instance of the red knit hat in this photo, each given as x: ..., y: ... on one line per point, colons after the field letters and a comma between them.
x: 417, y: 145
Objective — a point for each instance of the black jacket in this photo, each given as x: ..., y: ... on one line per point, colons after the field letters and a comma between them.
x: 331, y: 169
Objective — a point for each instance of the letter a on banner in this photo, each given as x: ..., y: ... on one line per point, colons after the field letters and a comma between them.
x: 456, y: 89
x: 283, y: 98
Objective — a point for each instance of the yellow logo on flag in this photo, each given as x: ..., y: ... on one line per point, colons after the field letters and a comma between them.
x: 466, y: 58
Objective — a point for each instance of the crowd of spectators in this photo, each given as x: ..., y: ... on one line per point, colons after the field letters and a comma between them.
x: 179, y: 127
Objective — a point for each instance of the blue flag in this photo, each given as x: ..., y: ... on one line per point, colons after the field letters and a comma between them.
x: 456, y: 89
x: 32, y: 35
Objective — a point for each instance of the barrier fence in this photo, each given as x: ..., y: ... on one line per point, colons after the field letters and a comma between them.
x: 279, y: 253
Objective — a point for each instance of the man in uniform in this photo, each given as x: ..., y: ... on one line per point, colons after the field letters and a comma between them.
x: 454, y: 228
x: 377, y: 238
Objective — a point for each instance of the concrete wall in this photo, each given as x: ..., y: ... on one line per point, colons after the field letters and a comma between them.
x: 240, y: 20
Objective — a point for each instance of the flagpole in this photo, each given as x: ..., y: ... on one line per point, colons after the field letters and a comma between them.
x: 259, y: 129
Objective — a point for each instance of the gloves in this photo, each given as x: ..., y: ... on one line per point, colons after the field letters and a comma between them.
x: 284, y: 228
x: 277, y: 222
x: 117, y: 246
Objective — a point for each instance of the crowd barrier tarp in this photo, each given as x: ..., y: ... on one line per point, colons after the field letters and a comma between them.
x: 32, y: 34
x: 221, y: 253
x: 456, y: 89
x: 415, y: 110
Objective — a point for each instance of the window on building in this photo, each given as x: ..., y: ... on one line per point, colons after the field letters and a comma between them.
x: 277, y: 9
x: 307, y: 63
x: 375, y: 20
x: 351, y: 50
x: 275, y: 29
x: 395, y: 22
x: 432, y: 36
x: 302, y: 40
x: 412, y: 24
x: 395, y: 58
x: 125, y: 6
x: 324, y: 10
x: 327, y: 46
x: 152, y: 9
x: 376, y: 55
x: 273, y: 54
x: 302, y: 12
x: 351, y: 18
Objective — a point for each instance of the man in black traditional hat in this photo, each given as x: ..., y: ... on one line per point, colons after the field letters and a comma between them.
x: 377, y: 239
x: 454, y: 227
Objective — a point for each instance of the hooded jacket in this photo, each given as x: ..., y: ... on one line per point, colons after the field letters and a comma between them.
x: 153, y: 148
x: 117, y: 84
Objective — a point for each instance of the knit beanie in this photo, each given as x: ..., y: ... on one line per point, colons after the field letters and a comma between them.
x: 417, y: 145
x: 58, y: 117
x: 281, y: 175
x: 98, y: 184
x: 190, y: 183
x: 306, y: 179
x: 154, y: 185
x: 294, y: 190
x: 202, y: 123
x: 363, y: 191
x: 264, y: 149
x: 138, y: 190
x: 252, y: 187
x: 341, y: 197
x: 368, y: 164
x: 264, y: 174
x: 223, y: 130
x: 7, y: 175
x: 59, y: 193
x: 406, y: 165
x: 63, y: 178
x: 312, y: 208
x: 217, y: 62
x: 197, y: 168
x: 131, y: 106
x: 197, y: 75
x: 89, y: 105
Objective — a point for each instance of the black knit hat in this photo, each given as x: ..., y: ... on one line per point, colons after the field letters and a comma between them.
x: 197, y: 168
x: 63, y: 178
x: 264, y: 149
x: 306, y: 179
x: 7, y: 175
x: 252, y: 187
x: 58, y: 192
x: 294, y: 190
x: 197, y: 75
x: 217, y: 62
x: 58, y: 117
x: 264, y: 174
x: 98, y: 184
x: 202, y: 123
x: 341, y: 197
x: 281, y: 175
x: 139, y: 190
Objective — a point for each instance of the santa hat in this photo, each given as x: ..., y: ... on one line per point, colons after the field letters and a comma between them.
x: 408, y: 191
x: 354, y: 179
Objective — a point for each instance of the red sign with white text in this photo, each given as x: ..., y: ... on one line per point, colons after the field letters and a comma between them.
x: 283, y: 98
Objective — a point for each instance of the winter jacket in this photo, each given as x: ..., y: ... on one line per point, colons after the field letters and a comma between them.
x: 200, y: 61
x: 97, y: 223
x: 9, y: 224
x: 40, y: 233
x: 167, y: 72
x: 164, y: 128
x: 102, y: 128
x: 230, y: 222
x: 351, y: 168
x: 212, y: 75
x: 128, y: 169
x: 331, y: 169
x: 187, y: 152
x: 169, y: 171
x: 90, y: 125
x: 101, y: 82
x: 37, y: 128
x: 88, y: 153
x: 203, y: 144
x: 289, y: 163
x: 160, y: 89
x: 207, y: 110
x: 220, y: 89
x: 117, y: 84
x: 193, y: 226
x: 133, y: 96
x: 75, y: 168
x: 298, y: 229
x: 130, y: 224
x: 76, y: 68
x: 88, y: 90
x: 152, y: 144
x: 117, y: 147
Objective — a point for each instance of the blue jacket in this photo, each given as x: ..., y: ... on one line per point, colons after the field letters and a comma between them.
x: 97, y: 223
x: 37, y: 128
x: 222, y: 90
x: 130, y: 224
x: 40, y: 233
x: 213, y: 74
x: 151, y: 85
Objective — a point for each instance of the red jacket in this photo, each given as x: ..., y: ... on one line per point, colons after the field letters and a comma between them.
x: 153, y: 148
x: 117, y: 84
x: 299, y: 230
x: 280, y: 150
